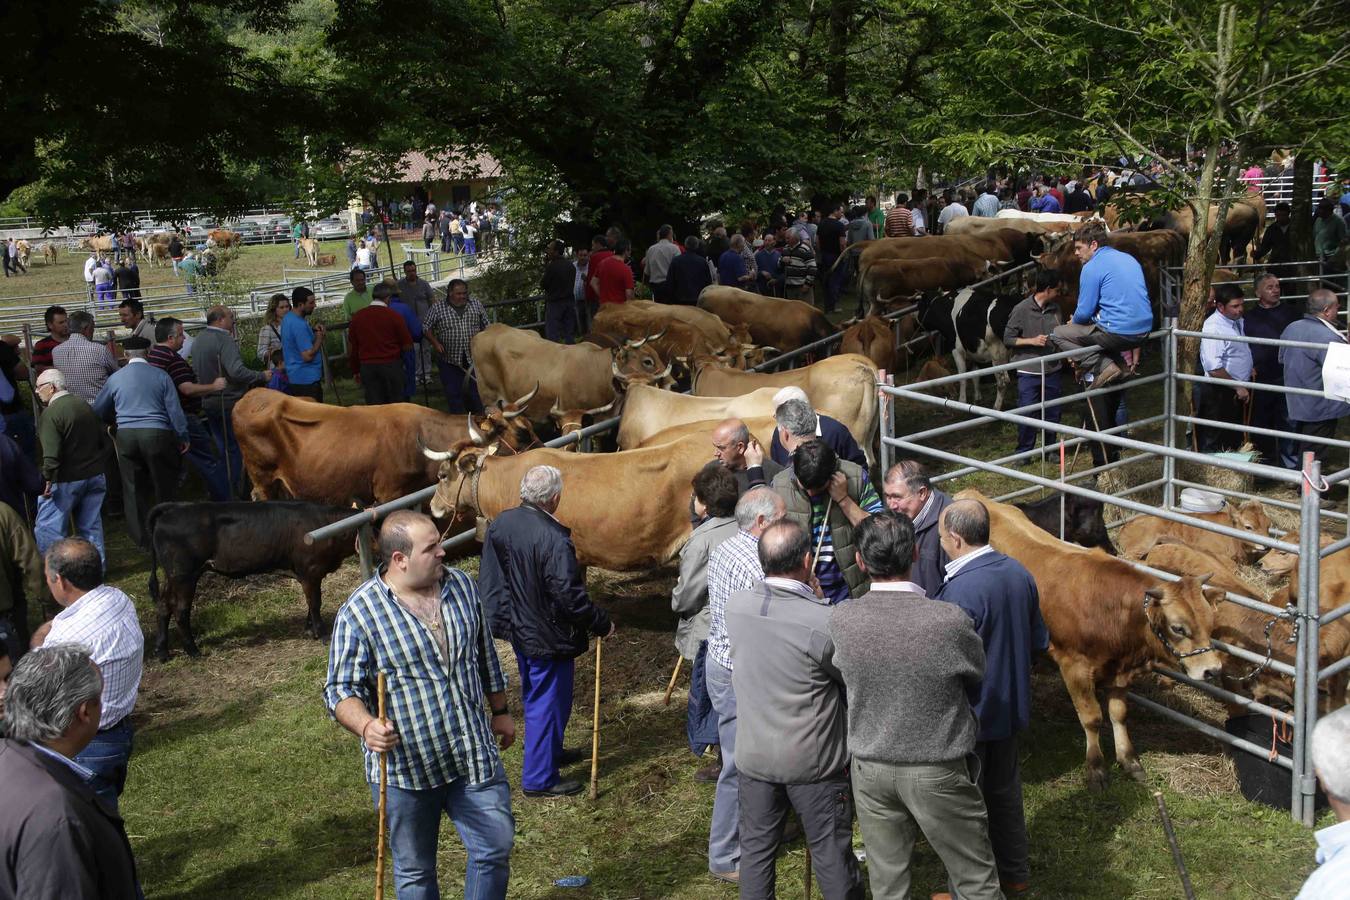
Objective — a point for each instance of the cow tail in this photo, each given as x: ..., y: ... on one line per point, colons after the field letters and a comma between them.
x: 154, y: 568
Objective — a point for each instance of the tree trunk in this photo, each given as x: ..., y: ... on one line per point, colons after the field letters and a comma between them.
x: 836, y: 69
x: 1300, y: 208
x: 1202, y: 251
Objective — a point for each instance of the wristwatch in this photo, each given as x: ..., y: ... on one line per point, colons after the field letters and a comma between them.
x: 505, y: 710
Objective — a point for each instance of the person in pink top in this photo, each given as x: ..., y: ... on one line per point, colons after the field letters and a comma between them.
x: 1252, y: 178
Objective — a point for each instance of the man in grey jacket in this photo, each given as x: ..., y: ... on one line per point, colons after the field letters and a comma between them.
x: 906, y: 776
x: 215, y: 354
x: 714, y: 503
x: 790, y: 745
x: 1313, y: 417
x: 906, y: 489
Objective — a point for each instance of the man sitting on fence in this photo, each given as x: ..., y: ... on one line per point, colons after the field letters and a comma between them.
x: 1113, y: 313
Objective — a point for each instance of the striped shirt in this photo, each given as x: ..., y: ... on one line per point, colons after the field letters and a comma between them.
x: 828, y: 572
x: 85, y: 364
x: 454, y: 327
x: 104, y: 621
x: 899, y: 223
x: 161, y: 357
x: 435, y: 704
x: 733, y: 566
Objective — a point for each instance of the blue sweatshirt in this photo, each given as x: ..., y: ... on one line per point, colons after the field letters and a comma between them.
x: 142, y: 396
x: 1111, y: 292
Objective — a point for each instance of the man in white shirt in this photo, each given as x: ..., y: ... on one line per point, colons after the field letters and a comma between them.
x: 656, y: 264
x: 103, y: 619
x: 954, y: 209
x: 89, y: 265
x: 1331, y: 761
x: 1221, y: 357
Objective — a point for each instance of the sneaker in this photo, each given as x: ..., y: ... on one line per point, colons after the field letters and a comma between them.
x: 564, y: 788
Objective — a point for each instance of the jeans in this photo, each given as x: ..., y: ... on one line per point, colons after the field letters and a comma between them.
x: 724, y: 837
x: 546, y: 701
x: 482, y: 816
x: 79, y: 500
x: 459, y: 390
x: 470, y: 246
x: 206, y: 459
x: 1029, y: 392
x: 107, y: 756
x: 227, y: 447
x: 701, y: 719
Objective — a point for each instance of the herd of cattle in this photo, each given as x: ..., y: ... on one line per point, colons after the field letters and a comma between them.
x: 151, y: 247
x: 627, y: 509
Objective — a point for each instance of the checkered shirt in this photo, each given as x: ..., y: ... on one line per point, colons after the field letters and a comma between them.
x: 436, y: 705
x: 733, y: 566
x: 455, y: 328
x: 85, y: 364
x: 104, y: 621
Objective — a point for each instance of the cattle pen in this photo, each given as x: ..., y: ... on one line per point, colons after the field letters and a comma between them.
x: 1305, y: 617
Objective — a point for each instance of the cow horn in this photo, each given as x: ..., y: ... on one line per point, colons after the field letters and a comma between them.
x: 474, y: 434
x: 521, y: 403
x: 666, y: 372
x: 1035, y: 257
x: 1205, y: 577
x: 599, y: 409
x: 614, y: 367
x: 554, y: 411
x: 770, y: 351
x: 435, y: 455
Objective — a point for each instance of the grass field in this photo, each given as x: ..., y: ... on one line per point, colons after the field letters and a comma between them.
x: 241, y: 786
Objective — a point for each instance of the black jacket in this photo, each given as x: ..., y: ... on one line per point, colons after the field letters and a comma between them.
x: 688, y: 276
x: 559, y: 279
x: 60, y: 841
x: 533, y: 589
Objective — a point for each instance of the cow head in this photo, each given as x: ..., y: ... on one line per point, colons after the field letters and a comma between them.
x: 1180, y: 619
x: 570, y: 420
x: 506, y: 423
x: 456, y: 482
x: 636, y: 363
x: 1252, y: 517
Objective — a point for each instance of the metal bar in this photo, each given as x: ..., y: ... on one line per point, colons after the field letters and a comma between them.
x: 1306, y: 652
x: 1256, y: 658
x: 365, y: 551
x: 1334, y: 614
x: 1250, y: 385
x: 1209, y: 730
x: 1169, y: 413
x: 1242, y: 338
x: 1225, y: 695
x: 1125, y: 443
x: 1028, y: 454
x: 1283, y: 504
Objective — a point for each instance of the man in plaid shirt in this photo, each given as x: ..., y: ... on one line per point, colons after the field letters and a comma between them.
x: 733, y: 565
x: 450, y: 327
x: 422, y: 625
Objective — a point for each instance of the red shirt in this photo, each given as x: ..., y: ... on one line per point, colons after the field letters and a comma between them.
x: 616, y: 279
x: 42, y: 353
x: 597, y: 257
x: 377, y: 335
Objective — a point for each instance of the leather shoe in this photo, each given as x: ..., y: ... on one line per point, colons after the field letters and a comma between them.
x: 570, y: 757
x: 1014, y: 887
x: 732, y: 877
x: 564, y: 788
x: 1110, y: 373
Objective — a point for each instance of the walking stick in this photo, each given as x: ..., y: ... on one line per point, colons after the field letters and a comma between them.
x: 806, y: 876
x: 1186, y: 888
x: 1247, y: 417
x: 595, y: 724
x: 670, y: 688
x: 384, y: 787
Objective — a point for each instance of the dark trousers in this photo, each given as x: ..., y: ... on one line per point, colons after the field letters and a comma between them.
x: 1001, y: 784
x: 313, y: 391
x: 382, y: 382
x: 1106, y: 408
x: 107, y: 756
x: 701, y: 718
x: 19, y: 426
x: 1323, y: 429
x: 461, y: 392
x: 560, y: 320
x: 1028, y: 392
x: 204, y: 454
x: 1222, y: 405
x: 546, y: 701
x: 825, y: 809
x: 150, y: 464
x: 662, y: 292
x: 221, y: 426
x: 1269, y: 410
x: 834, y: 281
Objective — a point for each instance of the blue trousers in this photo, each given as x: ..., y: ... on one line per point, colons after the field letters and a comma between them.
x: 107, y: 756
x: 701, y: 721
x: 724, y: 836
x: 546, y: 698
x: 79, y: 500
x: 206, y: 459
x: 226, y: 447
x: 457, y: 390
x: 409, y: 374
x: 1029, y: 392
x: 481, y: 814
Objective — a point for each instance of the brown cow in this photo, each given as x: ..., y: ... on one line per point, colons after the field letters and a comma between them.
x: 873, y: 338
x: 1108, y: 622
x: 647, y: 411
x: 570, y: 420
x: 103, y: 243
x: 49, y: 253
x: 1139, y: 535
x: 1171, y: 555
x: 628, y: 511
x: 510, y: 361
x: 223, y: 237
x: 331, y: 454
x: 762, y: 427
x: 1280, y: 562
x: 676, y: 332
x: 784, y: 324
x: 310, y: 248
x: 888, y: 281
x: 842, y: 386
x: 1243, y: 225
x: 1154, y: 250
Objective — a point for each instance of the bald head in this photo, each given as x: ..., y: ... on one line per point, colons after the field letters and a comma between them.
x: 729, y: 440
x: 785, y: 551
x: 964, y: 527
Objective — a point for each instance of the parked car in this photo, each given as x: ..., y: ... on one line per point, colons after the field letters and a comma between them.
x: 330, y: 229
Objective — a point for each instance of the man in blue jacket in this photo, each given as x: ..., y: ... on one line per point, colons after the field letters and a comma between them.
x: 1000, y: 596
x: 1314, y: 417
x: 1113, y: 312
x: 536, y: 598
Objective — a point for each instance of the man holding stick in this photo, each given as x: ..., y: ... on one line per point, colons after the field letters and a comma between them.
x: 423, y: 626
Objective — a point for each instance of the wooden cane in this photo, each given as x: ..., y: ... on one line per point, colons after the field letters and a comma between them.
x: 384, y: 787
x: 1247, y: 417
x: 670, y: 688
x: 595, y: 725
x: 806, y: 876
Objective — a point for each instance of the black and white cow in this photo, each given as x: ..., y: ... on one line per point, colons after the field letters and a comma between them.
x: 978, y: 317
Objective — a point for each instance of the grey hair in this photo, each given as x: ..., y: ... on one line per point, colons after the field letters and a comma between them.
x: 797, y: 418
x: 1330, y: 753
x: 1261, y: 279
x: 912, y: 472
x: 541, y: 485
x: 737, y: 242
x: 1321, y: 300
x: 45, y: 689
x: 80, y: 321
x: 55, y: 377
x: 755, y: 503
